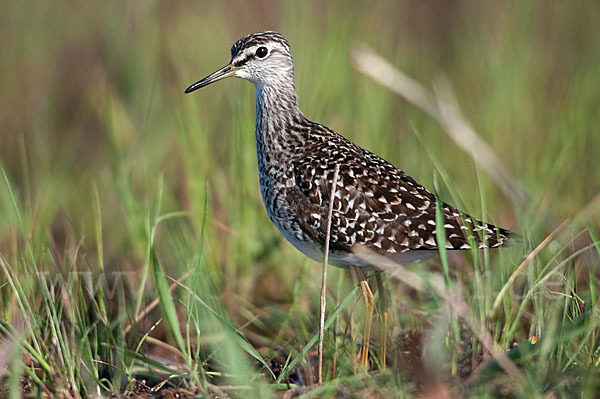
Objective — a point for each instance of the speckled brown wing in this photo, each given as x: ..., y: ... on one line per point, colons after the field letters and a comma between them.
x: 378, y: 206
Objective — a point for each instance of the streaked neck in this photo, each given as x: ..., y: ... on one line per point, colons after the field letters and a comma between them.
x: 276, y: 106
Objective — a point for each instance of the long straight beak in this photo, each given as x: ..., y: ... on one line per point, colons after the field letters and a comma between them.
x: 225, y: 72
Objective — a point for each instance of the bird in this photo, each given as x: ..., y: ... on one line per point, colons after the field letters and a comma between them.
x: 376, y: 206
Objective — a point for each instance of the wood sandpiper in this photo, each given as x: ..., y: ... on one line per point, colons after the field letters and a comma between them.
x: 375, y: 206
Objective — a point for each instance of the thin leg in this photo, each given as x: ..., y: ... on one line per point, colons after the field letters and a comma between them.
x: 370, y: 301
x: 383, y: 303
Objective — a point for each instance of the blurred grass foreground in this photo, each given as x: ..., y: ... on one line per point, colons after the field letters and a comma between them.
x: 136, y: 258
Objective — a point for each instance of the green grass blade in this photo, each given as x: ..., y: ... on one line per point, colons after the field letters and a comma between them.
x: 241, y: 340
x: 166, y: 300
x: 315, y: 337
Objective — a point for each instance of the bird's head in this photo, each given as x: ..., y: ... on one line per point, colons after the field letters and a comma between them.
x: 263, y: 58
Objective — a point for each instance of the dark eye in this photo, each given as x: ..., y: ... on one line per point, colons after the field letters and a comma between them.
x: 261, y: 52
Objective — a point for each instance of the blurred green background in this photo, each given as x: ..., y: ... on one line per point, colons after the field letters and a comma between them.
x: 97, y: 138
